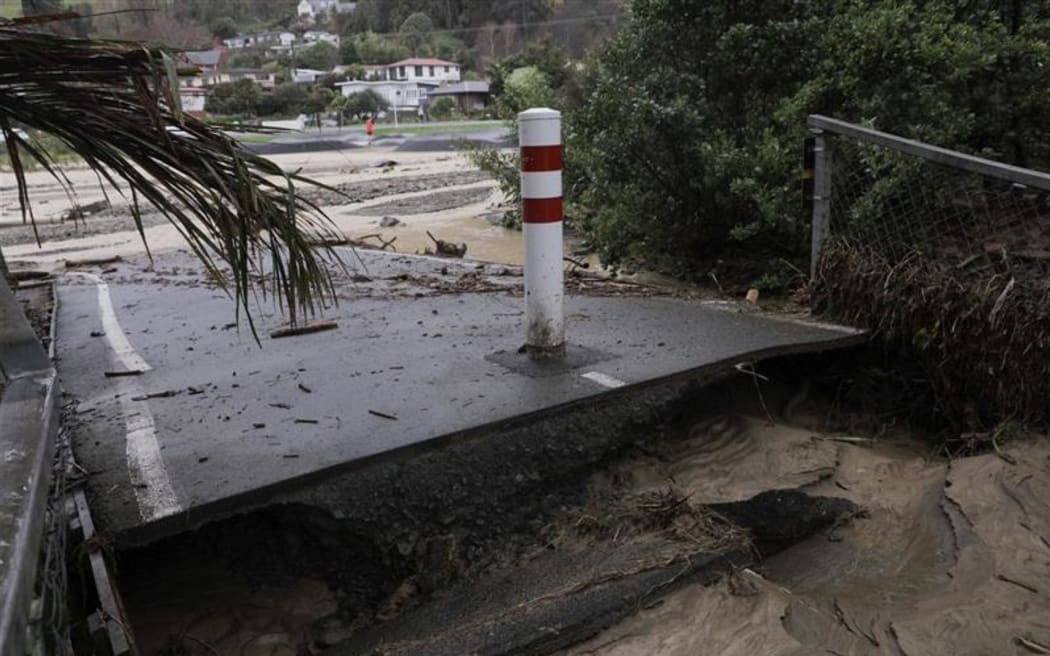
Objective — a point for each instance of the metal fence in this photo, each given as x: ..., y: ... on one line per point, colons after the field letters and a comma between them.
x: 943, y: 256
x: 898, y: 198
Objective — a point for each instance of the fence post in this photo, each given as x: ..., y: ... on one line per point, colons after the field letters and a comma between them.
x: 539, y: 136
x: 822, y: 164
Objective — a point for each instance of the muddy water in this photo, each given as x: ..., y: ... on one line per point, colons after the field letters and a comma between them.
x: 951, y: 558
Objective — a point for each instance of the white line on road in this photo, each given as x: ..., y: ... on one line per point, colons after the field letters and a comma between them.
x: 118, y: 341
x: 603, y: 379
x: 149, y: 478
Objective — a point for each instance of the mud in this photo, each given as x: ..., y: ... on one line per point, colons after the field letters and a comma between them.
x: 119, y: 217
x: 950, y: 557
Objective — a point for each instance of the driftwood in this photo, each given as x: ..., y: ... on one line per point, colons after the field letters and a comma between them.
x: 303, y: 329
x: 80, y: 211
x: 384, y: 244
x: 96, y: 261
x: 444, y: 248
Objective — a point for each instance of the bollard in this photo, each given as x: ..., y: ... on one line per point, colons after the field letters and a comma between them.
x: 539, y: 135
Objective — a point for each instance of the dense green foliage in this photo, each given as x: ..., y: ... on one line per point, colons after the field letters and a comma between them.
x: 686, y: 145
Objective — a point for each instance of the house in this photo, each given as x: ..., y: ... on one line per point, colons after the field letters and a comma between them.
x: 192, y: 100
x: 470, y: 95
x: 309, y: 10
x: 205, y: 61
x: 423, y: 69
x: 264, y: 79
x: 307, y: 75
x: 404, y: 95
x: 260, y: 39
x: 319, y: 36
x: 205, y: 64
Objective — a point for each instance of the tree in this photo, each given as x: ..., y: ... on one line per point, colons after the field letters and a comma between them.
x: 316, y: 102
x: 415, y: 31
x: 525, y: 87
x: 348, y: 52
x: 685, y: 149
x: 375, y: 49
x: 286, y: 99
x: 230, y: 204
x: 337, y: 105
x: 442, y: 108
x: 365, y: 102
x: 321, y: 56
x: 234, y: 98
x: 224, y: 28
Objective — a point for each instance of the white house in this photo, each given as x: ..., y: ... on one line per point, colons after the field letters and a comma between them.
x: 307, y: 75
x: 309, y: 10
x: 256, y: 39
x: 318, y: 36
x: 192, y: 100
x: 423, y: 69
x: 405, y: 95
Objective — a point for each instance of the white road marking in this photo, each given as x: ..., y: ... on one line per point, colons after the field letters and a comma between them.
x: 149, y: 478
x: 603, y: 379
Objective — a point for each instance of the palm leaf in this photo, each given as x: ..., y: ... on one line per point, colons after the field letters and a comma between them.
x: 114, y: 104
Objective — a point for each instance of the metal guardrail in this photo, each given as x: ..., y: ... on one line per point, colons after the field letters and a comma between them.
x: 825, y: 129
x: 28, y: 430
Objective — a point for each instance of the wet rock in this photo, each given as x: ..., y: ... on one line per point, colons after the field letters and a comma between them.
x: 390, y: 222
x: 779, y: 518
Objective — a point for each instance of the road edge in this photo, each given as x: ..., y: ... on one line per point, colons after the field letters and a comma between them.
x: 28, y: 432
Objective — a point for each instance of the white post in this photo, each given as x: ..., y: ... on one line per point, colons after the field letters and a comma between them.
x: 539, y: 135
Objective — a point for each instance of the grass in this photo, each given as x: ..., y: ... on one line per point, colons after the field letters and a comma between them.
x: 430, y: 128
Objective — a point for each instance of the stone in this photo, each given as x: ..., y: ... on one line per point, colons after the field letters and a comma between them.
x: 390, y: 222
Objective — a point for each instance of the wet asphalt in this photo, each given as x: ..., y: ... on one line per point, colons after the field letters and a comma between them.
x: 424, y: 349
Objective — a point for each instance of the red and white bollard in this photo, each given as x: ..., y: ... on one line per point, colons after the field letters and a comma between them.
x: 539, y: 135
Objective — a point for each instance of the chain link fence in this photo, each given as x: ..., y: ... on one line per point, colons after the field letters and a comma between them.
x: 50, y: 620
x: 944, y: 256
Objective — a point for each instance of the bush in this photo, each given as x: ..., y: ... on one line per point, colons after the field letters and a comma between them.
x: 689, y: 133
x: 442, y: 108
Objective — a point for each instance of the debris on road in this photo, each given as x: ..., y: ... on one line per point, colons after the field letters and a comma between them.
x: 304, y: 329
x: 155, y: 395
x: 444, y: 248
x: 390, y: 222
x: 93, y: 261
x: 382, y: 415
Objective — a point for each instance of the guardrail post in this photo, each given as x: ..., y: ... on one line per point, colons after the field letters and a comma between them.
x: 822, y: 162
x: 539, y: 135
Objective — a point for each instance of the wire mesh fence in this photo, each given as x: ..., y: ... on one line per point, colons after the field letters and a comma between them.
x: 896, y: 206
x: 944, y: 256
x: 50, y: 619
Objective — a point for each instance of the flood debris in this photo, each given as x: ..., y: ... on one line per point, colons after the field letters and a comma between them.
x: 444, y: 248
x: 93, y: 261
x: 303, y: 329
x: 155, y: 395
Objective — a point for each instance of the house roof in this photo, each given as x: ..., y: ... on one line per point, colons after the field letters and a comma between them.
x: 422, y: 61
x: 470, y: 86
x: 204, y: 58
x: 398, y: 83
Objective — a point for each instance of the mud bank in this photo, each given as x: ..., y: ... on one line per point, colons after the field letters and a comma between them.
x: 950, y: 557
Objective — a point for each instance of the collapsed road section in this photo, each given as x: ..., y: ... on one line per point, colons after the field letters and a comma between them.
x: 399, y: 449
x: 183, y: 418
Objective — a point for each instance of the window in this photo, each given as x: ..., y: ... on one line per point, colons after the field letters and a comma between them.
x: 431, y: 71
x: 419, y: 71
x: 401, y: 71
x: 446, y: 69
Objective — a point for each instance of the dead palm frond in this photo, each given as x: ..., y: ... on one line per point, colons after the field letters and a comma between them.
x: 115, y: 104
